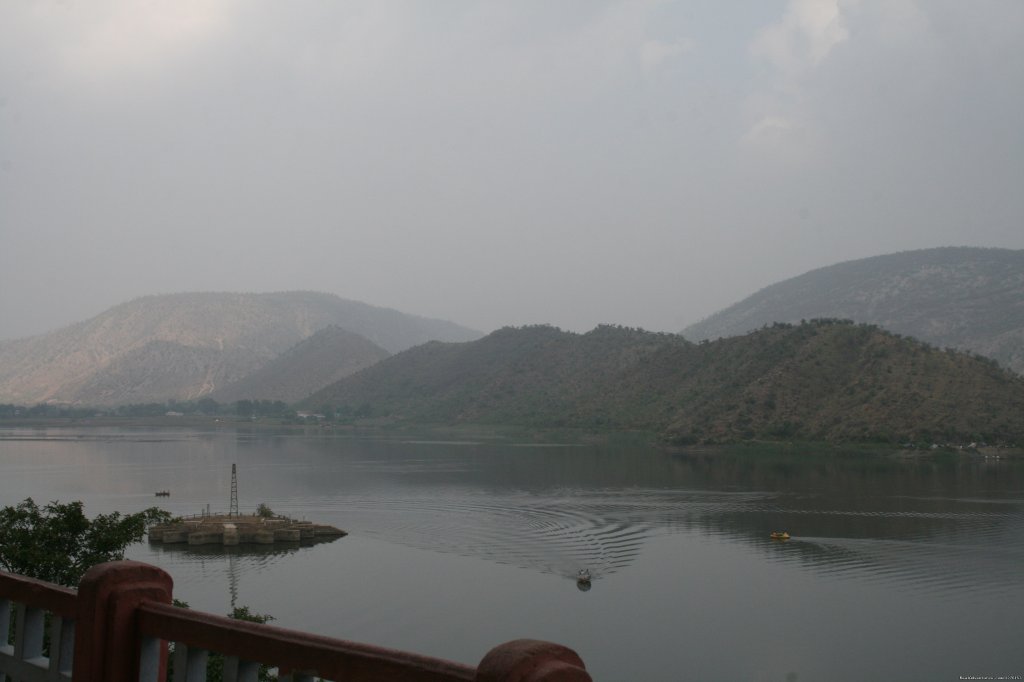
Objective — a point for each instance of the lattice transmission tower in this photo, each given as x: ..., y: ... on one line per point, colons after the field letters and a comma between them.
x: 233, y: 510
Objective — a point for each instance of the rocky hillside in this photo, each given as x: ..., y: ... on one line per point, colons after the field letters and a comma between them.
x: 325, y: 357
x: 160, y: 370
x: 824, y: 380
x: 965, y: 298
x: 184, y: 346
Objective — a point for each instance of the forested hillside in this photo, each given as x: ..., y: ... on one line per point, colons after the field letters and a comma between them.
x: 966, y: 298
x: 823, y: 380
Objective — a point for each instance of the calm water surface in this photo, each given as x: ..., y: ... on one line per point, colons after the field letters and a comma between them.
x: 898, y: 569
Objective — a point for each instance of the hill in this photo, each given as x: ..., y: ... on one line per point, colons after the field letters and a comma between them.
x: 325, y: 357
x: 182, y: 346
x: 823, y: 380
x: 157, y: 371
x: 966, y: 298
x: 530, y: 375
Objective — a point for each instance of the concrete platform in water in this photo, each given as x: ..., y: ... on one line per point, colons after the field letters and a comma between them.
x: 223, y: 529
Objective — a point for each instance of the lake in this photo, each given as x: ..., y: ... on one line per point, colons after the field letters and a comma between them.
x: 898, y: 568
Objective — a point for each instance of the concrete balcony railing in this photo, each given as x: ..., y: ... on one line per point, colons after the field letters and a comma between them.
x: 117, y: 626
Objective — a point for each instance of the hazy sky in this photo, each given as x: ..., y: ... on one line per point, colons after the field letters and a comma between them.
x: 571, y: 162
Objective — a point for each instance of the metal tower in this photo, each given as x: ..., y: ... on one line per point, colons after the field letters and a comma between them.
x: 233, y: 510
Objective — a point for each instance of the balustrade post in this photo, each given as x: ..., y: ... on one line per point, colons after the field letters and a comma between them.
x: 107, y: 638
x: 531, y: 660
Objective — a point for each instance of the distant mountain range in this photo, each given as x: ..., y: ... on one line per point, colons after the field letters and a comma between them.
x: 312, y: 364
x: 186, y: 346
x: 967, y: 298
x: 822, y: 380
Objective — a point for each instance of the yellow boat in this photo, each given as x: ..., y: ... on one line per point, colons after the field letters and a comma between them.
x: 779, y: 535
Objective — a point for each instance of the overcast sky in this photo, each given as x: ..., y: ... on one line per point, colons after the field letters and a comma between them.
x: 571, y: 162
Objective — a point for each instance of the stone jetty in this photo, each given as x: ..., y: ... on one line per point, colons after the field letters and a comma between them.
x: 235, y: 529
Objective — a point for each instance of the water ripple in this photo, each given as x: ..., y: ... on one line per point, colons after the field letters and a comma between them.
x: 606, y: 530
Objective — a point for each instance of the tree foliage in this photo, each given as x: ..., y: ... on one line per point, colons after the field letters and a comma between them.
x: 822, y: 380
x: 58, y: 543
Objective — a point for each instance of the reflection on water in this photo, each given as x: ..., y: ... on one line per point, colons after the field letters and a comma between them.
x: 257, y: 554
x: 605, y: 531
x: 557, y: 509
x: 676, y: 542
x: 224, y: 564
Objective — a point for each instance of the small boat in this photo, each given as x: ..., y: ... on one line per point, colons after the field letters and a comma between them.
x: 163, y: 493
x: 779, y: 535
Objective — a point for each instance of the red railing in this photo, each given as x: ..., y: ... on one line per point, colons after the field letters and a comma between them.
x: 29, y: 601
x: 118, y: 624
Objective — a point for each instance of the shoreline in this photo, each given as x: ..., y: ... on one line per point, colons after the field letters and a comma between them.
x: 511, y: 434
